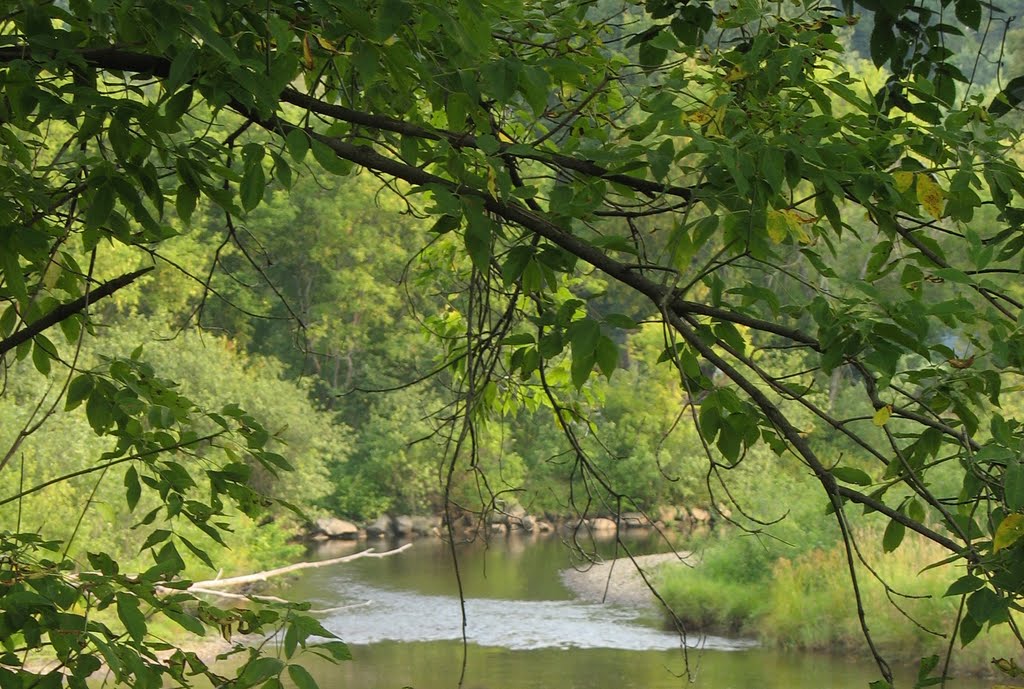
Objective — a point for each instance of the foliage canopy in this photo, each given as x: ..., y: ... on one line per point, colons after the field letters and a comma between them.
x: 790, y: 229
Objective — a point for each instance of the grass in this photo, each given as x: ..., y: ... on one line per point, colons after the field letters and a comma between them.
x: 807, y: 602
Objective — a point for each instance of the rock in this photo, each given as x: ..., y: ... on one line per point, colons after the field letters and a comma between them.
x: 402, y: 525
x: 603, y: 525
x: 667, y: 513
x: 425, y: 526
x: 332, y: 527
x: 320, y: 536
x: 700, y: 515
x: 379, y: 528
x: 544, y: 526
x: 529, y: 523
x: 682, y: 514
x: 634, y: 520
x: 499, y: 528
x: 724, y: 510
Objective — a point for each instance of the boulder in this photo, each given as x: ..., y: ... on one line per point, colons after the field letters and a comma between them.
x: 332, y: 527
x: 379, y: 528
x: 700, y: 515
x: 402, y: 525
x: 634, y: 520
x: 603, y: 525
x: 667, y: 514
x: 426, y: 526
x: 724, y: 510
x: 682, y: 514
x: 528, y: 522
x: 544, y: 526
x: 499, y: 528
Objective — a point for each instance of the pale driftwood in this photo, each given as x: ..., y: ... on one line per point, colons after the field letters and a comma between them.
x: 273, y: 599
x: 263, y: 576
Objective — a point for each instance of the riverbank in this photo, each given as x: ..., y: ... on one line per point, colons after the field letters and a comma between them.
x: 620, y: 581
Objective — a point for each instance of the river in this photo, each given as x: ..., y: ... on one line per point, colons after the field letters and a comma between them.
x: 402, y: 621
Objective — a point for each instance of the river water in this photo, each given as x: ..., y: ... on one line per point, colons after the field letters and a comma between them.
x: 402, y: 619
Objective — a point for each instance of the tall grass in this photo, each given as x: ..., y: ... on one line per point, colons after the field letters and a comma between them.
x: 807, y: 602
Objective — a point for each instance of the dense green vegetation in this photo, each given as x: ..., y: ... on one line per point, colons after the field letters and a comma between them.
x: 601, y: 257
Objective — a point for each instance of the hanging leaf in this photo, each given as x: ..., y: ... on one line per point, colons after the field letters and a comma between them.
x: 930, y: 195
x: 893, y: 536
x: 1008, y: 532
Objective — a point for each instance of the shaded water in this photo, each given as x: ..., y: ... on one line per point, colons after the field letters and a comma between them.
x: 526, y: 631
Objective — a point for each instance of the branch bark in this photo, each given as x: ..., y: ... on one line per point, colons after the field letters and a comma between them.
x: 69, y: 309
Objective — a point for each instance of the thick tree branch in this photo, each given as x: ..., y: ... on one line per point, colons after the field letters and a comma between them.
x: 128, y: 61
x: 69, y: 309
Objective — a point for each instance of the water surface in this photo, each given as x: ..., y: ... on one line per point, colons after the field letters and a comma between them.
x: 402, y: 617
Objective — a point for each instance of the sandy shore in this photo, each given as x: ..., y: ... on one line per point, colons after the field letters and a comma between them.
x: 617, y: 581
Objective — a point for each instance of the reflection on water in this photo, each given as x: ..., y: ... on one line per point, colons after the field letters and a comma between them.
x: 526, y: 630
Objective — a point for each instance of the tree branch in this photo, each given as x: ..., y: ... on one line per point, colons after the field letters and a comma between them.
x: 69, y: 309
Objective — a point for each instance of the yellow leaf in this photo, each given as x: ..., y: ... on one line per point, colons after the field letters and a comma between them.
x: 51, y: 274
x: 796, y: 221
x: 881, y: 416
x: 903, y: 180
x: 699, y: 117
x: 307, y: 52
x: 713, y: 117
x: 492, y: 181
x: 1009, y: 532
x: 736, y: 73
x: 930, y: 195
x: 777, y: 226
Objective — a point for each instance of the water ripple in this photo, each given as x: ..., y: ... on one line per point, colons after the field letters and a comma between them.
x: 396, y: 615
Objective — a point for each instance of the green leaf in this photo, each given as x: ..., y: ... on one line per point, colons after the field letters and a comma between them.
x: 883, y: 40
x: 133, y: 489
x: 518, y: 339
x: 478, y: 239
x: 301, y: 677
x: 582, y: 366
x: 893, y: 536
x: 969, y: 628
x: 852, y: 475
x: 329, y: 160
x: 259, y: 670
x: 78, y: 390
x: 42, y: 351
x: 157, y: 536
x: 965, y: 584
x: 186, y: 621
x: 254, y: 183
x: 334, y: 650
x: 618, y: 320
x: 130, y: 615
x: 969, y: 12
x: 985, y: 605
x: 607, y: 356
x: 185, y: 202
x: 1013, y: 485
x: 297, y: 143
x: 584, y: 335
